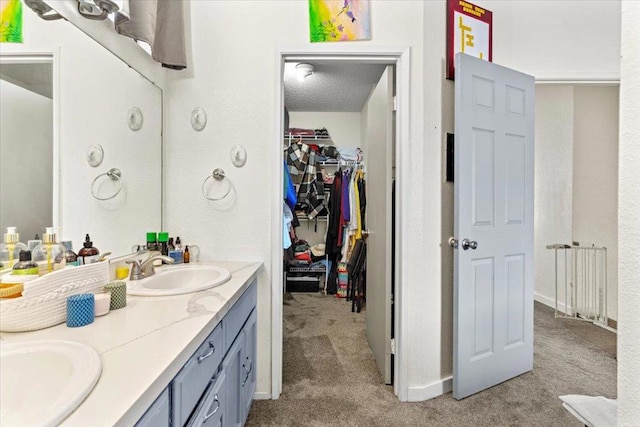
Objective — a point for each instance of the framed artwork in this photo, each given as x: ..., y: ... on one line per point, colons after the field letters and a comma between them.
x: 10, y: 21
x: 339, y: 20
x: 469, y: 30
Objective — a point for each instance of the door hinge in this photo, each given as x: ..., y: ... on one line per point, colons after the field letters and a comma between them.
x: 393, y: 346
x: 395, y: 103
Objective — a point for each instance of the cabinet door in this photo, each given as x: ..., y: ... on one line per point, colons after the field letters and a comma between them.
x: 190, y: 384
x: 248, y: 384
x: 211, y: 411
x: 232, y: 369
x: 158, y: 414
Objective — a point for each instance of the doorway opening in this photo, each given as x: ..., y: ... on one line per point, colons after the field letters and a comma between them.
x: 376, y: 144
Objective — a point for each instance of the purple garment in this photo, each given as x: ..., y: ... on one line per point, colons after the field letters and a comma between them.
x: 346, y: 207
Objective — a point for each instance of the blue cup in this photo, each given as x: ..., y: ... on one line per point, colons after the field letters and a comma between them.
x: 80, y: 310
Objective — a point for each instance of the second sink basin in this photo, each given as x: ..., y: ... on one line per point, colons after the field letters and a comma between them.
x: 179, y: 280
x: 44, y: 381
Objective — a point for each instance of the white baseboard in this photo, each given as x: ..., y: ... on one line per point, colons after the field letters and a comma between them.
x: 438, y: 388
x: 550, y: 302
x: 261, y: 395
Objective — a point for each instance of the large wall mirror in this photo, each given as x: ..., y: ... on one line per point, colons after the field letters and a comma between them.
x: 72, y: 112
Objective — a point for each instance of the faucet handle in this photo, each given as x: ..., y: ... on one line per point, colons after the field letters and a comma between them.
x: 136, y: 271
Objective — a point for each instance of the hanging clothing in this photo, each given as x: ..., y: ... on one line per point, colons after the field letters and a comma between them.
x: 301, y: 164
x: 332, y: 248
x: 287, y: 219
x: 289, y: 190
x: 160, y: 23
x: 362, y: 193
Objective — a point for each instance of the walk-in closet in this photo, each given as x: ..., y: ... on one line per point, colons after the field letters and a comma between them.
x: 337, y: 216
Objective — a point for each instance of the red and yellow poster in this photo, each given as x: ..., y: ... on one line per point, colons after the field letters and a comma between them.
x: 469, y: 30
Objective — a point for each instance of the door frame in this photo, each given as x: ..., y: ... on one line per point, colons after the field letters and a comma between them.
x: 400, y: 57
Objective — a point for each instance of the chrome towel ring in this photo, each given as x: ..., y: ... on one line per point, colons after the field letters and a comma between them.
x: 217, y: 175
x: 115, y: 175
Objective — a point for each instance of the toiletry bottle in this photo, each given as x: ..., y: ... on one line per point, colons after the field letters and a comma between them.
x: 163, y: 238
x: 180, y: 253
x: 89, y: 253
x: 32, y: 244
x: 70, y: 256
x: 25, y: 265
x: 49, y: 254
x: 186, y: 255
x: 173, y: 254
x: 152, y: 241
x: 10, y: 249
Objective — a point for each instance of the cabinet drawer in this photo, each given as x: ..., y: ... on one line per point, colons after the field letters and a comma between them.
x: 158, y: 414
x: 238, y: 314
x: 192, y: 380
x: 211, y: 410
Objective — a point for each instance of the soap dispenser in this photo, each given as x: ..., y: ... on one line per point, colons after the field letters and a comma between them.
x: 89, y: 253
x: 50, y: 255
x: 10, y: 249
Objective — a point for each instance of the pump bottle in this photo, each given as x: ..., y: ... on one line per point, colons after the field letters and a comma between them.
x: 89, y: 253
x: 10, y: 249
x: 49, y: 255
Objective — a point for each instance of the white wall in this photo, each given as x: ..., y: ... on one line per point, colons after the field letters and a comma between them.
x: 595, y: 177
x: 243, y: 108
x: 629, y: 221
x: 344, y: 128
x: 553, y: 204
x: 557, y: 40
x: 95, y: 92
x: 232, y: 74
x: 25, y: 156
x: 576, y: 179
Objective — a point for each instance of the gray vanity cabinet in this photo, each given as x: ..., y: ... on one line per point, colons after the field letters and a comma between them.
x: 248, y: 383
x: 216, y: 385
x: 239, y: 365
x: 158, y: 415
x: 212, y: 409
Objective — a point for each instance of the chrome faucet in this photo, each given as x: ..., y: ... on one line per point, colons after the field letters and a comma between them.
x: 140, y: 270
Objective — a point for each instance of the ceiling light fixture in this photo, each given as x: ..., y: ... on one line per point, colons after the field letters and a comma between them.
x: 304, y: 70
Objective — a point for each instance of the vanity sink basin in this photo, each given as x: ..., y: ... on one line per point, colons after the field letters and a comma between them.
x: 179, y: 280
x: 41, y: 382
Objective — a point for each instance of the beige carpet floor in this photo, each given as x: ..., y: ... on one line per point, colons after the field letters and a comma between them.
x: 330, y: 377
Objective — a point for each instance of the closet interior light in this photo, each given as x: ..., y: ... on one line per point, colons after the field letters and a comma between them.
x: 304, y: 70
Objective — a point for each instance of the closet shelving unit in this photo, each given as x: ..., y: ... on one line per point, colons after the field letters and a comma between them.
x: 297, y: 277
x: 318, y: 139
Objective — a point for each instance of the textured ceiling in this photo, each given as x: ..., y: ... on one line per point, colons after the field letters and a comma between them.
x: 334, y: 86
x: 37, y: 78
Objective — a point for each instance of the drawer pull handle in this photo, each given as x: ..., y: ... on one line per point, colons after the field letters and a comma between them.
x: 204, y: 356
x: 217, y: 402
x: 246, y: 377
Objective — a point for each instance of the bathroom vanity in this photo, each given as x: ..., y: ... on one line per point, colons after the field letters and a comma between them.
x: 186, y: 359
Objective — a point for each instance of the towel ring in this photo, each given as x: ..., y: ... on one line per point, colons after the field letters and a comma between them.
x: 115, y: 175
x: 217, y: 175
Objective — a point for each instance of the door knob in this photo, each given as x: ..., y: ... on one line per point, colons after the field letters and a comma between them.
x: 453, y: 242
x: 469, y: 244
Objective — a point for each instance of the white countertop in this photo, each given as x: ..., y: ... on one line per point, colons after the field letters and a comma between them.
x: 144, y: 345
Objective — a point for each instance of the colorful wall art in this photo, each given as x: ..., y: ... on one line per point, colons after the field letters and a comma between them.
x: 10, y: 21
x: 339, y: 20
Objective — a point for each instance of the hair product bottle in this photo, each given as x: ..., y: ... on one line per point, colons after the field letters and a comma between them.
x: 89, y: 253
